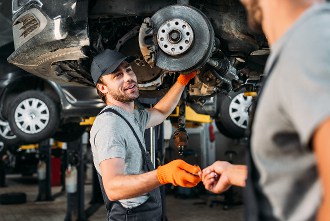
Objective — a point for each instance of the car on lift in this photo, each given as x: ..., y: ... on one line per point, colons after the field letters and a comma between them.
x: 33, y: 109
x: 57, y: 40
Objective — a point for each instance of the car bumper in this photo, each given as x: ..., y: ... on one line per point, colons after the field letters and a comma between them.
x: 48, y: 33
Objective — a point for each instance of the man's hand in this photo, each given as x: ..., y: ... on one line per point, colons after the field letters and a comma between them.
x: 218, y: 177
x: 179, y: 173
x: 184, y: 79
x: 215, y: 178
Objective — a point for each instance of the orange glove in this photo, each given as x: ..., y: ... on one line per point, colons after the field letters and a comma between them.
x: 179, y: 173
x: 184, y: 79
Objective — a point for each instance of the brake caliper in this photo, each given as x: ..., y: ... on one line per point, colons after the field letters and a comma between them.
x: 146, y: 43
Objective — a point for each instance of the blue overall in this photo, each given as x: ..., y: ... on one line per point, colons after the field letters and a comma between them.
x: 151, y: 210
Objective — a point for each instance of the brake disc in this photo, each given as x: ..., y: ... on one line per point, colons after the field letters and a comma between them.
x: 184, y: 36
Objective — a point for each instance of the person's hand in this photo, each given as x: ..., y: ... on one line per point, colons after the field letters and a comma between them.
x: 184, y: 79
x: 179, y: 173
x: 215, y: 177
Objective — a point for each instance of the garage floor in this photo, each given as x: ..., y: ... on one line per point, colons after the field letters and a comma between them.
x: 182, y: 205
x: 178, y: 208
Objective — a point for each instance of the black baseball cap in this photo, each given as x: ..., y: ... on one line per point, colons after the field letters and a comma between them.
x: 106, y: 62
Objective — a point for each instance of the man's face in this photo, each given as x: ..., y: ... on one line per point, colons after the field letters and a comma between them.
x: 122, y: 84
x: 254, y: 14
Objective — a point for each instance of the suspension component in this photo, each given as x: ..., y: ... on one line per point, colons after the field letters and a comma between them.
x: 224, y: 68
x: 180, y: 136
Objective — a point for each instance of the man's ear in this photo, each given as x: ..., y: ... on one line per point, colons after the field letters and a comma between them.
x: 102, y: 87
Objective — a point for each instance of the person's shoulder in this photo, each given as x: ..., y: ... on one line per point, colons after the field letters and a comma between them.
x: 105, y: 119
x: 311, y: 33
x: 104, y: 115
x: 311, y: 46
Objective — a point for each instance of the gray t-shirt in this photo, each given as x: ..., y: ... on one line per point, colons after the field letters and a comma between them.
x: 294, y: 101
x: 111, y: 137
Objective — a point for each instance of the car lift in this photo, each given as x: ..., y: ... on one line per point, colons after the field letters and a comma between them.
x: 75, y: 191
x: 44, y: 171
x: 2, y: 165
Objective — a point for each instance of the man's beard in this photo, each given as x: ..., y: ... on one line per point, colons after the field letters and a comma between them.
x: 254, y: 16
x: 125, y: 98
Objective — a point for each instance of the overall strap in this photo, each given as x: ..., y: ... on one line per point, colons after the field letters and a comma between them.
x: 146, y: 155
x: 250, y: 194
x: 252, y: 115
x: 154, y: 202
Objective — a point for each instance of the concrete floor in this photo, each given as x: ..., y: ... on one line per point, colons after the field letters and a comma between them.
x: 178, y: 208
x: 180, y: 205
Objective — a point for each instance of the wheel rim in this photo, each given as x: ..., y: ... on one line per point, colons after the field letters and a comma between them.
x: 2, y: 147
x: 5, y: 130
x: 32, y: 116
x: 238, y: 110
x: 175, y: 37
x: 185, y: 37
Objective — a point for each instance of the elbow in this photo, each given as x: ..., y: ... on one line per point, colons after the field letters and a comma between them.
x: 111, y: 196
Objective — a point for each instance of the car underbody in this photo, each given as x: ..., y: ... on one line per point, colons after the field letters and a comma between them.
x: 58, y: 41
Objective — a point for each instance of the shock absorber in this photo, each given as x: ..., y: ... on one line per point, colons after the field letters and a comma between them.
x: 180, y: 136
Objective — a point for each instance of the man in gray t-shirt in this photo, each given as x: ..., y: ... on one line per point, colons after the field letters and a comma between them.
x: 289, y: 154
x: 117, y: 140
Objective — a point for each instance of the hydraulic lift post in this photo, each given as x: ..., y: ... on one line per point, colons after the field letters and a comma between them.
x: 154, y: 140
x: 44, y: 171
x: 75, y: 200
x: 2, y: 165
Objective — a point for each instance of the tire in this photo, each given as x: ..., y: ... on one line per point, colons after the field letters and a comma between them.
x: 13, y: 198
x: 222, y: 129
x: 69, y: 132
x: 34, y: 116
x: 7, y: 136
x: 2, y: 149
x: 234, y: 114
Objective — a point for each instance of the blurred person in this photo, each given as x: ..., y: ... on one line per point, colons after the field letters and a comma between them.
x: 287, y: 177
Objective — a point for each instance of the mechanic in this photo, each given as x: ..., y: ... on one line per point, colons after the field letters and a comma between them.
x: 117, y: 141
x: 287, y: 173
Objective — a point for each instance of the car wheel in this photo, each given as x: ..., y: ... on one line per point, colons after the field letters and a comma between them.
x: 69, y: 132
x: 222, y: 129
x: 184, y: 36
x: 6, y: 134
x: 2, y: 149
x: 234, y: 114
x: 33, y: 117
x: 13, y: 198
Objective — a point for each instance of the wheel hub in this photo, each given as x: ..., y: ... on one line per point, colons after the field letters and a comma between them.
x: 175, y: 37
x: 32, y: 115
x: 182, y: 39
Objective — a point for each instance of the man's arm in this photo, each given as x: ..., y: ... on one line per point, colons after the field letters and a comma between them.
x: 118, y: 186
x: 166, y: 105
x: 321, y: 144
